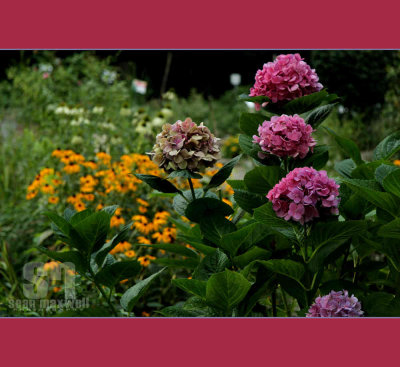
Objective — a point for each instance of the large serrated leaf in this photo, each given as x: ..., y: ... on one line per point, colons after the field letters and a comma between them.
x: 133, y: 294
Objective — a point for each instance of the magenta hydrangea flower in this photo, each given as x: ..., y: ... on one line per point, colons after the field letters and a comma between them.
x: 336, y: 304
x: 305, y: 194
x: 287, y: 78
x: 285, y: 136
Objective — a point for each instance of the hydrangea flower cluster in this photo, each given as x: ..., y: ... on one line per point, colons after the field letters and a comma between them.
x: 185, y: 145
x: 287, y: 78
x: 336, y: 304
x: 285, y: 136
x: 304, y: 194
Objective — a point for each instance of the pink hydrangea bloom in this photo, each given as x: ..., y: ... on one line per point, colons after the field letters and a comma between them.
x: 287, y: 78
x: 336, y: 304
x: 305, y: 194
x: 285, y: 136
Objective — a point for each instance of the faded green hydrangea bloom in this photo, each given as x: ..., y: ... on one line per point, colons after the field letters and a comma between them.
x: 186, y: 145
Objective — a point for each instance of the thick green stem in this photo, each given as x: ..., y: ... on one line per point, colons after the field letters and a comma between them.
x: 274, y: 313
x: 101, y: 290
x: 239, y: 215
x: 191, y: 188
x: 287, y: 309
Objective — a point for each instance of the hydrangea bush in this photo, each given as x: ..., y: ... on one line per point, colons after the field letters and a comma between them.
x: 291, y: 232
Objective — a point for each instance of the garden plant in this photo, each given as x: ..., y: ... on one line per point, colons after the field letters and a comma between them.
x: 186, y: 223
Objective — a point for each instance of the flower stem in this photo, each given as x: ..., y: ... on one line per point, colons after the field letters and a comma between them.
x: 114, y: 311
x: 238, y: 216
x: 191, y: 188
x: 274, y: 313
x: 287, y: 309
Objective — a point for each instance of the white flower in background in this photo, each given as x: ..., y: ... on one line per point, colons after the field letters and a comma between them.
x: 125, y: 111
x: 107, y: 125
x: 99, y: 141
x: 250, y: 105
x: 51, y: 108
x: 143, y: 128
x: 166, y: 112
x: 61, y: 110
x: 98, y: 110
x: 65, y: 110
x: 116, y: 140
x: 45, y: 68
x: 108, y: 76
x: 76, y: 111
x: 158, y: 122
x: 76, y: 140
x: 79, y: 121
x: 170, y: 95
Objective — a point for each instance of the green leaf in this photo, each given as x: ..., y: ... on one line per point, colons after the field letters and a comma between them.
x: 369, y: 190
x: 94, y: 229
x: 79, y: 216
x: 132, y: 295
x: 255, y: 99
x: 317, y: 116
x: 213, y: 227
x: 347, y: 146
x: 158, y: 183
x: 73, y: 257
x: 223, y: 174
x: 121, y: 236
x: 316, y: 159
x: 391, y: 182
x: 179, y: 311
x: 237, y: 184
x: 366, y: 171
x: 387, y: 247
x: 247, y: 146
x: 180, y: 204
x: 345, y: 167
x: 249, y: 122
x: 327, y: 237
x: 288, y: 268
x: 197, y: 244
x: 67, y: 232
x: 388, y: 147
x: 112, y: 274
x: 306, y: 103
x: 263, y: 178
x: 174, y: 248
x: 204, y: 207
x: 110, y: 210
x: 248, y: 235
x: 226, y: 289
x: 266, y: 215
x: 248, y: 200
x: 383, y: 170
x: 68, y: 214
x: 214, y: 263
x: 391, y: 229
x: 189, y: 263
x: 193, y: 286
x: 255, y: 253
x: 185, y: 174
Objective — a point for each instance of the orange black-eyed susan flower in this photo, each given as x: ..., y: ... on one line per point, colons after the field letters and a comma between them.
x: 143, y: 240
x: 72, y: 167
x: 53, y: 199
x: 130, y: 253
